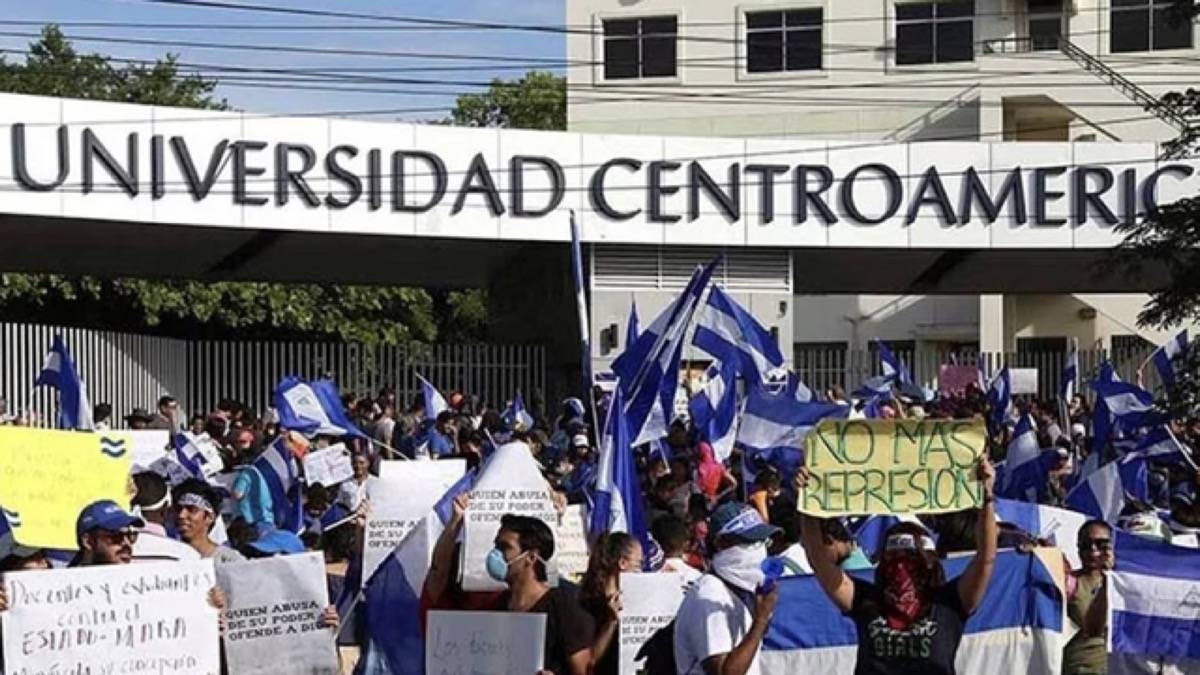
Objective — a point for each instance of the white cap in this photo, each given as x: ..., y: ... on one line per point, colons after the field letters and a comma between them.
x: 1078, y: 429
x: 580, y: 441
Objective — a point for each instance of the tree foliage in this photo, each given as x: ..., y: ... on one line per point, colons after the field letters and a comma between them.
x: 536, y: 101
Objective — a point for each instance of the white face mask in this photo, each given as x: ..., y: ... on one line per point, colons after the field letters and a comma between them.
x: 742, y: 565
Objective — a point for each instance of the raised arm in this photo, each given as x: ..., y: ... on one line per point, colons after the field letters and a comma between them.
x: 973, y: 583
x: 438, y: 579
x: 833, y: 580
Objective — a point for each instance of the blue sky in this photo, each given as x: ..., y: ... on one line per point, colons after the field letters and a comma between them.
x: 516, y: 45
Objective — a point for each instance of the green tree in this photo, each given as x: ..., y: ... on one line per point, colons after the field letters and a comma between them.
x: 536, y: 101
x: 356, y: 313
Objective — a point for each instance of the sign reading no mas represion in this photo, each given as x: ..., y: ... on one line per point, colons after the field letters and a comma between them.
x: 886, y: 466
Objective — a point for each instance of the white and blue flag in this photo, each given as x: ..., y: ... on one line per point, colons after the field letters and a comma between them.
x: 714, y: 409
x: 585, y: 348
x: 999, y: 397
x: 1153, y: 599
x: 1105, y: 492
x: 1160, y: 445
x: 1102, y: 420
x: 648, y: 370
x: 773, y: 427
x: 1026, y: 470
x: 631, y: 328
x: 59, y: 372
x: 1056, y: 525
x: 617, y: 500
x: 277, y: 466
x: 312, y: 408
x: 1164, y: 357
x: 516, y: 416
x: 435, y: 403
x: 729, y: 333
x: 893, y: 368
x: 1070, y: 375
x: 1129, y: 406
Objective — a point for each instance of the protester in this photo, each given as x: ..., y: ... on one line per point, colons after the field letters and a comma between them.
x: 138, y: 419
x: 168, y: 415
x: 105, y: 534
x: 17, y: 558
x: 352, y: 493
x: 910, y: 620
x: 152, y: 502
x: 1087, y: 604
x: 723, y: 619
x: 766, y: 490
x: 102, y: 416
x: 197, y: 508
x: 600, y: 594
x: 671, y: 533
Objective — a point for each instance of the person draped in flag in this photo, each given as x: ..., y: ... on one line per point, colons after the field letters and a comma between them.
x: 911, y: 619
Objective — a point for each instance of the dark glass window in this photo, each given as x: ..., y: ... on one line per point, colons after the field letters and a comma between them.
x: 1145, y: 25
x: 640, y: 47
x: 783, y: 40
x: 935, y: 32
x: 1045, y: 24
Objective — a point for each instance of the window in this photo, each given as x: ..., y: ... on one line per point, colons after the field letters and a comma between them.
x: 935, y: 32
x: 1144, y: 25
x: 1045, y: 24
x: 783, y: 41
x: 642, y: 47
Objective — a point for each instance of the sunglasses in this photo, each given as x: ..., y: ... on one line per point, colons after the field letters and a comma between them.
x: 1098, y: 544
x: 119, y: 536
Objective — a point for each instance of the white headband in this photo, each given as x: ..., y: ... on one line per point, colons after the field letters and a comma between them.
x: 160, y: 504
x: 193, y: 499
x: 907, y: 542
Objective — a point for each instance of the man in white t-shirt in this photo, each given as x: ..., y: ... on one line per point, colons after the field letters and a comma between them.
x: 671, y: 533
x: 720, y: 625
x: 353, y: 492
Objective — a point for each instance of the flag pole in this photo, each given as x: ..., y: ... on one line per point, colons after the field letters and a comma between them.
x: 1183, y: 449
x: 585, y: 349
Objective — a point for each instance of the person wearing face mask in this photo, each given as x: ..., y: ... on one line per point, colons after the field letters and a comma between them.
x: 720, y: 625
x: 600, y: 593
x: 522, y: 547
x: 910, y: 620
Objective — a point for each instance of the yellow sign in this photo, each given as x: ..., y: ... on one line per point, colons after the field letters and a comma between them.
x: 47, y: 477
x: 892, y: 466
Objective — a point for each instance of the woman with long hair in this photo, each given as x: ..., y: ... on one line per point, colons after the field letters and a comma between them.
x: 910, y: 619
x: 600, y: 593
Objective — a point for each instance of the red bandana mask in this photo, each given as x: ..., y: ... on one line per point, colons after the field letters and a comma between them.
x: 903, y: 601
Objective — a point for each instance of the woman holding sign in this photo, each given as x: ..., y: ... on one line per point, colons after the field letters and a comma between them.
x: 910, y: 620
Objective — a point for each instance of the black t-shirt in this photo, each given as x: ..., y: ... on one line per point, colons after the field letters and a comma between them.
x: 927, y: 647
x: 569, y: 628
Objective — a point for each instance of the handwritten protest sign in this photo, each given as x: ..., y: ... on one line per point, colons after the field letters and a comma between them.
x: 274, y: 607
x: 648, y: 602
x: 570, y: 543
x: 512, y: 483
x: 892, y: 466
x: 406, y: 492
x: 1024, y: 380
x: 47, y: 477
x: 144, y: 618
x: 496, y: 643
x: 149, y: 446
x: 329, y: 466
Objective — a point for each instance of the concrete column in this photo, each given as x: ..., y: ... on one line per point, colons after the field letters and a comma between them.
x: 991, y: 118
x: 991, y: 323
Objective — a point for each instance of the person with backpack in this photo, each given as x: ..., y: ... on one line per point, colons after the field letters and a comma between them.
x: 720, y: 625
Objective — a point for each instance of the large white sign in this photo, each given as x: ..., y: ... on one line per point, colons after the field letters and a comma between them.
x: 273, y: 614
x: 149, y: 446
x: 144, y: 618
x: 648, y: 603
x: 511, y: 484
x: 496, y: 643
x: 405, y: 493
x: 85, y: 159
x: 328, y: 466
x: 570, y: 543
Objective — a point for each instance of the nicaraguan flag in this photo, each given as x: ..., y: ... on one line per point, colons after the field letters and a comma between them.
x: 1160, y: 445
x: 1016, y: 629
x: 648, y: 370
x: 1103, y: 494
x: 714, y: 409
x: 395, y: 643
x: 581, y: 307
x: 1130, y: 406
x: 435, y: 403
x: 312, y: 408
x: 617, y: 505
x: 190, y: 457
x: 277, y: 466
x: 1165, y: 356
x: 631, y: 328
x: 1058, y: 526
x: 1070, y: 375
x: 1102, y: 420
x: 999, y: 397
x: 516, y: 416
x: 773, y: 427
x: 731, y: 334
x: 1154, y: 602
x: 59, y: 371
x: 1026, y: 468
x: 893, y: 368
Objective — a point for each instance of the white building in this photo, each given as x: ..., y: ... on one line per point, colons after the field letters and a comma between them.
x: 870, y: 74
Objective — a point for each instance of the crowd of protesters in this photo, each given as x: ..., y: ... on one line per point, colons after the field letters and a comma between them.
x: 712, y: 523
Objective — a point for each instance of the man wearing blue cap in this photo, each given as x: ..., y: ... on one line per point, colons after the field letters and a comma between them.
x: 106, y: 534
x: 722, y: 621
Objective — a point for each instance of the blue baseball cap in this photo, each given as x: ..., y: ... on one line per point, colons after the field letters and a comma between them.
x: 272, y: 541
x: 741, y: 522
x: 105, y: 515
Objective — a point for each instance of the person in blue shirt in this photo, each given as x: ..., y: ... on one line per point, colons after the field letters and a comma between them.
x: 443, y: 437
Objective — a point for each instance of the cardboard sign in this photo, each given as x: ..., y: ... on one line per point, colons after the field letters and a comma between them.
x: 149, y: 446
x: 892, y: 467
x: 274, y: 607
x: 510, y: 483
x: 406, y: 492
x: 144, y: 618
x: 648, y: 603
x: 954, y: 379
x: 328, y: 467
x: 47, y: 477
x: 1024, y: 380
x: 570, y: 543
x: 496, y: 643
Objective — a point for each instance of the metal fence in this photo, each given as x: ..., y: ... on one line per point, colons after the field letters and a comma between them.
x: 132, y: 371
x: 826, y: 367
